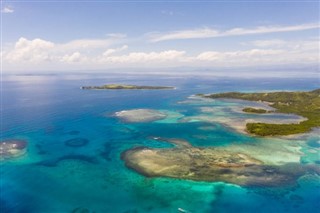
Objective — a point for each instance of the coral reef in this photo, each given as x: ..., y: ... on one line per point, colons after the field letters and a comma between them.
x: 12, y: 148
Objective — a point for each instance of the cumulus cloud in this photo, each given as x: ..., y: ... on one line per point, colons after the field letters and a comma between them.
x: 212, y: 33
x: 36, y: 50
x: 7, y: 10
x: 74, y: 57
x: 101, y: 53
x: 81, y: 51
x: 39, y: 50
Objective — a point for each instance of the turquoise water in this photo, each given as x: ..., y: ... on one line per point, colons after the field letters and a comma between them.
x: 52, y: 177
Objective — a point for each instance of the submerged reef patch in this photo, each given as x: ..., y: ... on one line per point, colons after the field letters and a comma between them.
x: 211, y: 164
x: 55, y: 162
x: 12, y: 148
x: 76, y: 142
x: 140, y: 115
x: 81, y: 210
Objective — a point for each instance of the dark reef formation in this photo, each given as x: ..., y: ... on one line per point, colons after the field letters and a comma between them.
x: 54, y: 162
x: 76, y: 142
x: 81, y: 210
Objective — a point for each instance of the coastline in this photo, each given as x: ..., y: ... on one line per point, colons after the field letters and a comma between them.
x: 305, y: 104
x: 214, y: 114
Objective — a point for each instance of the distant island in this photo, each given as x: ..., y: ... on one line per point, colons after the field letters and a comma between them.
x: 305, y: 104
x: 124, y: 86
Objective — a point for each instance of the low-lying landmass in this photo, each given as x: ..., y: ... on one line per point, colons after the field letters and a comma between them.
x: 124, y: 86
x: 185, y: 161
x: 305, y: 104
x: 254, y: 110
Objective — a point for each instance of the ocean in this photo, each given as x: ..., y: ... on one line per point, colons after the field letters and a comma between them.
x: 49, y: 111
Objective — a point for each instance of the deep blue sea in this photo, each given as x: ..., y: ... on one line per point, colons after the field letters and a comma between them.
x: 48, y: 110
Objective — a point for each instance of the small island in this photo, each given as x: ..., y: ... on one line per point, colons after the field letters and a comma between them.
x: 254, y: 110
x: 124, y: 86
x: 305, y: 104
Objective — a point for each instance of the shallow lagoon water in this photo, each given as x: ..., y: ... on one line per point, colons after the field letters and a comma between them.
x: 47, y: 111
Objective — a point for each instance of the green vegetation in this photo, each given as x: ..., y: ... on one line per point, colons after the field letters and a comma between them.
x: 254, y: 110
x: 122, y: 86
x: 306, y: 104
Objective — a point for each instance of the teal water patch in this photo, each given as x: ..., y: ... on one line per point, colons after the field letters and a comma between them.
x: 314, y: 142
x: 172, y: 117
x: 311, y: 149
x: 197, y: 133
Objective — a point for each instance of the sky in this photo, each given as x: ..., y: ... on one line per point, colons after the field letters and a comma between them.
x: 102, y: 35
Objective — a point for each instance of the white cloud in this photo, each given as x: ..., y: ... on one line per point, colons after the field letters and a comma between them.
x: 96, y: 54
x: 36, y: 50
x: 212, y: 33
x: 302, y: 45
x: 39, y: 50
x: 109, y: 52
x: 269, y: 43
x: 74, y: 57
x: 259, y: 57
x: 185, y: 34
x: 153, y: 57
x: 88, y: 44
x: 7, y: 10
x: 237, y: 55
